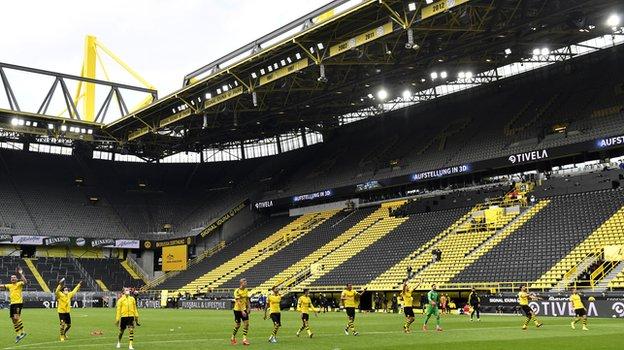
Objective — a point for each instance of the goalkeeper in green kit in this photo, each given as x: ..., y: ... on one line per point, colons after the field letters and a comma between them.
x: 432, y: 309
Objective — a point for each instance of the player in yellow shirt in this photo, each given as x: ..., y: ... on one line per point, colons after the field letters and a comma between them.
x: 15, y: 288
x: 579, y: 309
x: 127, y: 316
x: 63, y: 299
x: 304, y: 305
x: 408, y: 304
x: 523, y: 300
x: 347, y: 298
x: 242, y: 308
x: 273, y: 304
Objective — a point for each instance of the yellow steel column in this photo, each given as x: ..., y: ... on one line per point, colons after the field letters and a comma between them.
x: 89, y: 71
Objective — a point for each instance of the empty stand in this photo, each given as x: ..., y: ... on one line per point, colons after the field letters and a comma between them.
x: 110, y: 273
x: 532, y: 250
x: 611, y: 232
x: 8, y: 264
x: 54, y: 269
x: 264, y: 249
x: 293, y: 253
x: 458, y: 244
x: 380, y: 256
x: 233, y: 249
x: 381, y: 223
x: 420, y: 255
x: 344, y: 231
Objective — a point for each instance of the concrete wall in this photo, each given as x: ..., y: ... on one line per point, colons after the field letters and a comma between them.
x: 146, y: 261
x: 230, y: 229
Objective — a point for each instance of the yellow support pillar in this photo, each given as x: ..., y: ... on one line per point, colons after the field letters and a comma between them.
x: 89, y: 71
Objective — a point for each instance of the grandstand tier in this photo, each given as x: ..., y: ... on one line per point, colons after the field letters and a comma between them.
x: 273, y: 267
x: 532, y: 250
x: 283, y: 237
x: 244, y: 242
x: 375, y: 259
x: 382, y: 224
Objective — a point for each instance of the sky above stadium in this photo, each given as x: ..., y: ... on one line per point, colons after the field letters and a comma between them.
x: 161, y: 39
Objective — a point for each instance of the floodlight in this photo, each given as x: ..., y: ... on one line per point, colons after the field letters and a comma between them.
x: 382, y: 94
x: 613, y: 20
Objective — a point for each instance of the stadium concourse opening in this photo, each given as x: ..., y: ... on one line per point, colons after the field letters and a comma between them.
x: 390, y: 166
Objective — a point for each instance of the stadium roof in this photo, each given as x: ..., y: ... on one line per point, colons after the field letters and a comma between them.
x: 333, y: 62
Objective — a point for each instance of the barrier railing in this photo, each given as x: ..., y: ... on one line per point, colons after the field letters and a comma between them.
x: 134, y: 265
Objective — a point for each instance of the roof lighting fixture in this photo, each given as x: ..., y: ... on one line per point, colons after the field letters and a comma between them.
x: 613, y: 20
x: 382, y: 94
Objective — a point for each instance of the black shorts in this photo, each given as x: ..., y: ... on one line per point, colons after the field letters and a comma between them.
x: 350, y: 312
x: 305, y: 317
x: 580, y: 312
x: 528, y: 312
x: 238, y: 316
x: 409, y: 311
x: 126, y: 322
x: 475, y: 306
x: 65, y: 318
x: 276, y: 317
x: 15, y: 309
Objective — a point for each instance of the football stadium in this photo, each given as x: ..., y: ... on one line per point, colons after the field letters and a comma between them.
x: 375, y: 174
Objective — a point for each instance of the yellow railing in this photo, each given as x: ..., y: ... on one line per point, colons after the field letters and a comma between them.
x: 601, y: 271
x: 575, y: 269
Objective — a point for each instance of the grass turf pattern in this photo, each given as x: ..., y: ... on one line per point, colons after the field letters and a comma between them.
x: 201, y: 329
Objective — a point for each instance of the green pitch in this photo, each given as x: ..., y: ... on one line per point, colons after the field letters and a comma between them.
x: 197, y: 329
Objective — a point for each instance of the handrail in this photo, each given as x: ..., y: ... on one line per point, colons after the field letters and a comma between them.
x: 576, y: 268
x: 137, y: 268
x: 600, y: 272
